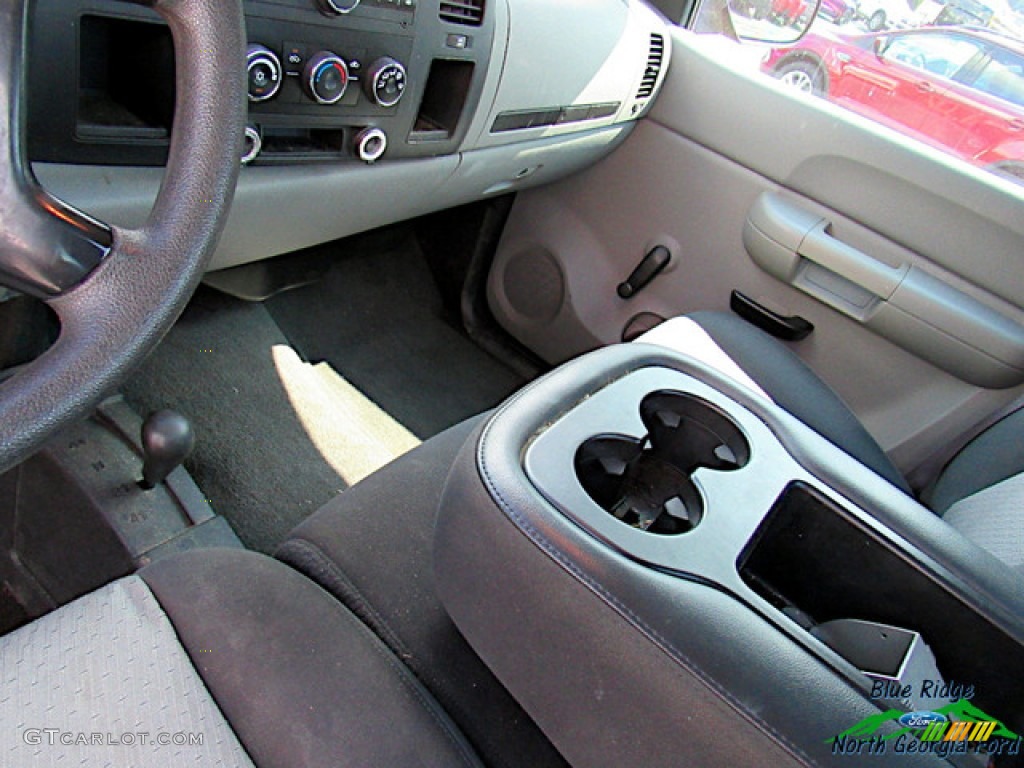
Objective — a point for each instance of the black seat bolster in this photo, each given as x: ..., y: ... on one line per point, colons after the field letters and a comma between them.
x: 301, y: 680
x: 797, y: 389
x: 372, y: 547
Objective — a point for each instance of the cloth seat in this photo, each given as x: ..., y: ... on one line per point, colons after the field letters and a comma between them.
x: 215, y: 658
x: 372, y: 548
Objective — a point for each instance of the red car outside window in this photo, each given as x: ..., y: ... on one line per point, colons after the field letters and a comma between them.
x: 958, y: 89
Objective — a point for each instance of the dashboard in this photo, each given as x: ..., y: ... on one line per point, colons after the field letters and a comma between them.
x: 361, y: 112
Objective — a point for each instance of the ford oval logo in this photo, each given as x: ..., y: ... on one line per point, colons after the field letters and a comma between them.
x: 921, y: 719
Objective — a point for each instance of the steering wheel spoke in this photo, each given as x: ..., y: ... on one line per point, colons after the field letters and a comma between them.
x: 115, y: 291
x: 46, y: 246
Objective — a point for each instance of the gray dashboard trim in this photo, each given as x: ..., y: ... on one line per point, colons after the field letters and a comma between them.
x: 282, y: 209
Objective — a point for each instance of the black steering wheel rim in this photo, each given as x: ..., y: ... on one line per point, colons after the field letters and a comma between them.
x: 116, y: 291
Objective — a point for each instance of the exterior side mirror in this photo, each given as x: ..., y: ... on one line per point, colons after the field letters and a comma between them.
x: 778, y: 22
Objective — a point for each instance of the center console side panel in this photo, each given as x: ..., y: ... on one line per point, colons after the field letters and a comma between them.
x: 622, y: 662
x: 607, y: 689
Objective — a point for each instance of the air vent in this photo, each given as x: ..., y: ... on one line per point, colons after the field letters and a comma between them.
x: 470, y: 12
x: 654, y: 59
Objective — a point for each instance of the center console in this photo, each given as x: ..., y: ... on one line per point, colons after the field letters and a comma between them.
x: 667, y: 569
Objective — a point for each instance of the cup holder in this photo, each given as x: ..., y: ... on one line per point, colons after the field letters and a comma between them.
x: 646, y: 482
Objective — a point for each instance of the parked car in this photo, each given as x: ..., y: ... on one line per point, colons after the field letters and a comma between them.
x: 958, y: 89
x: 781, y: 12
x: 837, y: 11
x: 882, y: 14
x: 787, y: 13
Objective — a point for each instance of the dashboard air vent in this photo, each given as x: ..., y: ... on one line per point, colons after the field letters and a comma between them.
x: 470, y: 12
x: 654, y: 60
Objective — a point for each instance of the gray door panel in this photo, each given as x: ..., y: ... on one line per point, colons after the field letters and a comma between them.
x: 690, y: 176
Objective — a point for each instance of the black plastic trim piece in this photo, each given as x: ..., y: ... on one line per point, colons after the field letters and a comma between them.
x: 787, y: 328
x: 650, y: 266
x: 540, y: 118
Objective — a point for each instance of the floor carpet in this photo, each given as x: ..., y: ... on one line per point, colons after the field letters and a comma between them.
x: 378, y: 319
x: 297, y: 398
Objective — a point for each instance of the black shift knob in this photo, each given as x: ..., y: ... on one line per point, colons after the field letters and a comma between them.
x: 167, y: 440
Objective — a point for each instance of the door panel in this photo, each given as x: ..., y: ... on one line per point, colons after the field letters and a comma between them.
x: 688, y: 178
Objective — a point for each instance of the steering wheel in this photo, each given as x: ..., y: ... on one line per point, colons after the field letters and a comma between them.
x: 116, y: 291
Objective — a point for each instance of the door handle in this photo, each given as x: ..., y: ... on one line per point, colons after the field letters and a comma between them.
x: 848, y: 262
x: 1016, y: 124
x: 917, y: 311
x: 925, y: 87
x: 783, y: 237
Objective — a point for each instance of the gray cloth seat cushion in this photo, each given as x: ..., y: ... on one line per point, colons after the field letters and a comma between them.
x: 993, y: 518
x: 372, y: 548
x: 981, y: 491
x: 104, y: 681
x: 993, y: 456
x: 235, y: 648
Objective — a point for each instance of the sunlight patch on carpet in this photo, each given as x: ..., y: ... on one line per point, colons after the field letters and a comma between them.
x: 353, y: 434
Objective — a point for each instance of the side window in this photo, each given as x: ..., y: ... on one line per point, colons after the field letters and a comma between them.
x: 1003, y: 77
x: 903, y: 63
x: 942, y: 55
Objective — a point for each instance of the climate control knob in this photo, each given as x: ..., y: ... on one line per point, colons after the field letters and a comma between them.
x: 326, y: 77
x: 384, y: 81
x: 336, y: 7
x: 264, y: 71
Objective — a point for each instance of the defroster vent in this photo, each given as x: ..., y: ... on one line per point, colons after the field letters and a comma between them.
x: 470, y: 12
x: 653, y: 69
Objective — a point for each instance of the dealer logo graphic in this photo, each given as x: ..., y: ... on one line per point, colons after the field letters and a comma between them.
x: 957, y: 727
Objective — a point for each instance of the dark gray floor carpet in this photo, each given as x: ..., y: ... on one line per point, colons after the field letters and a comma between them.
x: 376, y: 318
x: 253, y: 459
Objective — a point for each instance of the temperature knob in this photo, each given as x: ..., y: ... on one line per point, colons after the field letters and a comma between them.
x: 326, y: 77
x: 385, y: 81
x: 336, y: 7
x: 264, y: 71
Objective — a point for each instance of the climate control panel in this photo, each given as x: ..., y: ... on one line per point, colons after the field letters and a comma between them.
x: 324, y: 76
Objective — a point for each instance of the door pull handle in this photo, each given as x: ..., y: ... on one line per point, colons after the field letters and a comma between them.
x: 787, y: 328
